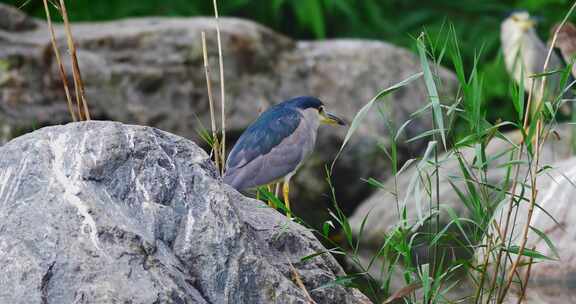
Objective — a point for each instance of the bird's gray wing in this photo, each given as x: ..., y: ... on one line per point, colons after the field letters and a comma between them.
x: 282, y: 160
x: 267, y: 168
x: 265, y: 134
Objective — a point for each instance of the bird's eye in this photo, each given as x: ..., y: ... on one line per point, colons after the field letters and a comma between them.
x: 321, y: 109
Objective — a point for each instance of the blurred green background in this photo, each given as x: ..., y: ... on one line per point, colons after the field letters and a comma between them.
x: 477, y: 23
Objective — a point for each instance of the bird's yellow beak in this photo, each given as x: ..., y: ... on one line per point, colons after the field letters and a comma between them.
x: 328, y: 118
x: 526, y: 24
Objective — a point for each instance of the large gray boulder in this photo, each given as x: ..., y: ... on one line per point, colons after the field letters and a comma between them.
x: 150, y: 72
x: 102, y: 212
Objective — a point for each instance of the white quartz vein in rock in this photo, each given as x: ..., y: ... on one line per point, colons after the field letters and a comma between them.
x: 72, y: 184
x: 4, y: 177
x: 140, y: 187
x: 7, y: 176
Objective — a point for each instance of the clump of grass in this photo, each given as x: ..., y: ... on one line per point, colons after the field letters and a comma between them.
x: 493, y: 257
x: 217, y: 144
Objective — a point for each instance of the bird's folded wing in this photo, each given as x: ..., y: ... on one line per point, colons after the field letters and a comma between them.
x: 267, y: 132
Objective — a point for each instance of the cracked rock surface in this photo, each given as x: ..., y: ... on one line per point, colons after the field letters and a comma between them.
x: 102, y: 212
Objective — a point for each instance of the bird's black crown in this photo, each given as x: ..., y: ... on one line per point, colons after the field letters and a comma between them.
x: 303, y: 102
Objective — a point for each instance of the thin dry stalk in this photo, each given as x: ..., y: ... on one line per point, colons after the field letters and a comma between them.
x: 402, y: 293
x: 511, y: 201
x: 526, y: 279
x: 534, y: 168
x: 78, y: 83
x: 298, y: 280
x: 59, y: 61
x: 222, y: 87
x: 215, y: 147
x: 478, y: 297
x: 533, y: 197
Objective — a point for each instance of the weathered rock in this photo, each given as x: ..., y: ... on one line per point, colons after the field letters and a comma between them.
x: 101, y: 212
x: 149, y: 72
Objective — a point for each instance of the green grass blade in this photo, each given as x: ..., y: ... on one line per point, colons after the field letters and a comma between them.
x: 550, y: 244
x: 432, y: 90
x: 528, y: 252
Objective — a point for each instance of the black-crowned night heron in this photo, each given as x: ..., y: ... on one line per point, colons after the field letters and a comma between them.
x: 525, y: 54
x: 275, y: 145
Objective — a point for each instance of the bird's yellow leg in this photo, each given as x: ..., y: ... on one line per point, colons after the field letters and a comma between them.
x: 286, y: 193
x: 277, y: 190
x: 270, y: 187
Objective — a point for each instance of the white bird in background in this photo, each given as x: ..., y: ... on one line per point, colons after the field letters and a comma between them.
x: 525, y: 54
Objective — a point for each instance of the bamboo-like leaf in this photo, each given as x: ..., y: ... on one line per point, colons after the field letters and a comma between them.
x: 326, y: 227
x: 375, y: 183
x: 346, y: 281
x: 432, y: 91
x: 518, y: 99
x: 528, y: 252
x: 424, y: 135
x: 515, y: 162
x: 545, y: 74
x: 269, y: 196
x: 406, y: 165
x: 550, y: 244
x: 413, y: 189
x: 311, y: 256
x: 401, y: 129
x: 361, y: 232
x: 550, y: 109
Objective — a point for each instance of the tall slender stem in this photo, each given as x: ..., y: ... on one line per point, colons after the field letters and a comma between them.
x: 78, y: 83
x: 215, y: 146
x: 59, y: 61
x: 222, y: 87
x: 526, y: 279
x: 511, y: 201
